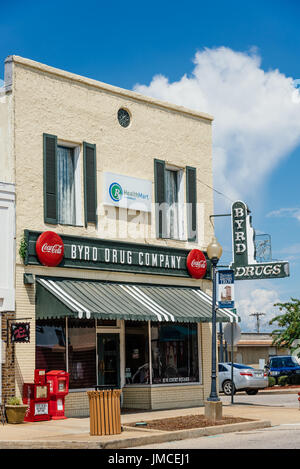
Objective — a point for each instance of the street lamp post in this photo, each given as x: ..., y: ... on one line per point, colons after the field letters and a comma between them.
x: 214, y: 252
x: 221, y: 342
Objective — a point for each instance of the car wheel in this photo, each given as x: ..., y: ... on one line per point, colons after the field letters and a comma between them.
x: 252, y: 392
x: 227, y: 388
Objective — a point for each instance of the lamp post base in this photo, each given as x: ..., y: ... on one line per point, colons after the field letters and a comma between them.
x: 213, y: 410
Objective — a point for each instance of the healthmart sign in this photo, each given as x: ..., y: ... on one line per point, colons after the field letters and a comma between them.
x: 127, y: 192
x: 244, y: 263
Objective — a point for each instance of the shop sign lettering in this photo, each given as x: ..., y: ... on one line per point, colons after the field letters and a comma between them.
x: 177, y: 380
x: 123, y: 257
x: 20, y: 332
x: 244, y: 262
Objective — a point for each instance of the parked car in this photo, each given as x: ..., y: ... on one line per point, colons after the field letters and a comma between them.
x: 282, y: 365
x: 245, y: 378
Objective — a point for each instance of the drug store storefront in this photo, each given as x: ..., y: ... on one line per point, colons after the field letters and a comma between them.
x: 122, y: 315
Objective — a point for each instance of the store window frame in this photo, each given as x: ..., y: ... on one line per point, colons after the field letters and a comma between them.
x: 199, y: 382
x: 99, y: 329
x: 120, y: 329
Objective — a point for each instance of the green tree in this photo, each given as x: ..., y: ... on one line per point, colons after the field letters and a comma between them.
x: 288, y: 332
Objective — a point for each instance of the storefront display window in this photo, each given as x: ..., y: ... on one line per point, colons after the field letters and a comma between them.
x: 174, y: 353
x: 174, y: 349
x: 51, y: 349
x: 82, y: 353
x: 51, y: 345
x: 137, y: 352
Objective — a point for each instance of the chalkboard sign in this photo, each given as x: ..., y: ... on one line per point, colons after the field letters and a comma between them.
x: 20, y: 332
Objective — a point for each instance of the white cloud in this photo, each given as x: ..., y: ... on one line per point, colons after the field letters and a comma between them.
x: 286, y: 213
x: 256, y: 300
x: 256, y: 125
x: 257, y: 115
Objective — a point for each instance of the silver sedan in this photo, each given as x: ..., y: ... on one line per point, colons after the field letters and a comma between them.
x: 245, y: 378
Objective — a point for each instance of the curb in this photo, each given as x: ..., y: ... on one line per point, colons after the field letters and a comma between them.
x: 283, y: 391
x: 185, y: 434
x: 161, y: 437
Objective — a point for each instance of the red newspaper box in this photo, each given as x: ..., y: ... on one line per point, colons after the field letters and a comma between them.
x: 36, y: 396
x: 40, y: 376
x: 58, y: 381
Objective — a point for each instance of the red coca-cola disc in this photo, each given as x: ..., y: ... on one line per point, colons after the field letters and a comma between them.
x: 49, y: 249
x: 196, y: 263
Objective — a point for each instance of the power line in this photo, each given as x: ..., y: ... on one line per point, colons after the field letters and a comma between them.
x: 215, y: 190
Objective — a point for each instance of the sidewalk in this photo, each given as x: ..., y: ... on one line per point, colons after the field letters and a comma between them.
x: 75, y: 432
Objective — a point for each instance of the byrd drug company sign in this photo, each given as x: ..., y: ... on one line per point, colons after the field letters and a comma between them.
x: 51, y: 250
x: 244, y: 263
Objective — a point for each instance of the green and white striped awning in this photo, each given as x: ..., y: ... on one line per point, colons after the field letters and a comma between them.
x: 58, y: 298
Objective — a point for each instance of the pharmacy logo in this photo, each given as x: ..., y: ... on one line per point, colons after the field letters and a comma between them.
x: 115, y: 192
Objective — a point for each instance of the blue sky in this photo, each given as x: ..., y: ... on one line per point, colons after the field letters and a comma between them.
x: 152, y: 48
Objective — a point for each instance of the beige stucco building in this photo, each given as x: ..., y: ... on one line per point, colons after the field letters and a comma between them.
x: 58, y: 127
x: 255, y: 347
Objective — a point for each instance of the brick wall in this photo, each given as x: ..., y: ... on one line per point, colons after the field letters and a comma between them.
x: 77, y: 404
x: 162, y: 397
x: 8, y: 360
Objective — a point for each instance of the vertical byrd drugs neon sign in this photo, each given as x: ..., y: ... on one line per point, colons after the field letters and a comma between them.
x: 244, y: 264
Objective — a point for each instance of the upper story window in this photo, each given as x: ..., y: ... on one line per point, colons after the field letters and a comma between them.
x: 66, y: 186
x: 63, y: 183
x: 174, y: 201
x: 176, y: 216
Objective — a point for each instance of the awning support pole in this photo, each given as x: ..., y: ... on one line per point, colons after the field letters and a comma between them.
x: 67, y: 346
x: 150, y: 352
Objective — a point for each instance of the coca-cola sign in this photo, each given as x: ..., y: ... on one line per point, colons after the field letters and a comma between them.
x: 196, y: 263
x: 50, y: 249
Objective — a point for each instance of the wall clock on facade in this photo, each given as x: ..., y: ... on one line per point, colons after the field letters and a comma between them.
x: 123, y: 117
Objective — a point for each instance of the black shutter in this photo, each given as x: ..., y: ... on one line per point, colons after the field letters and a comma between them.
x: 50, y: 178
x: 191, y: 198
x: 159, y: 180
x: 90, y: 183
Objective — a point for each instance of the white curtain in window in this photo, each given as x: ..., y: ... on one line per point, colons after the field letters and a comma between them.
x: 66, y: 186
x: 172, y: 225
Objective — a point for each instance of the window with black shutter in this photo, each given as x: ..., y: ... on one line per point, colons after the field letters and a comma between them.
x: 169, y: 199
x: 50, y: 178
x: 90, y: 183
x: 62, y: 182
x: 160, y: 197
x: 191, y: 199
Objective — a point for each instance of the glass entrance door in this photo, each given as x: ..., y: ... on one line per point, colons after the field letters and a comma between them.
x: 108, y: 360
